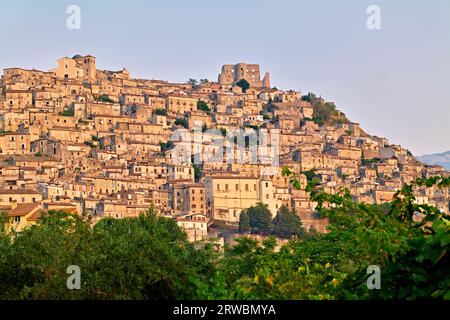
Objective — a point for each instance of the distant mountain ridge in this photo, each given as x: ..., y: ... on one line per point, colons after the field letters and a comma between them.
x: 441, y: 159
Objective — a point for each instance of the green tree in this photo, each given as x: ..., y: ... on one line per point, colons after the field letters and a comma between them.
x: 133, y: 258
x: 160, y: 112
x: 260, y: 218
x: 310, y: 174
x: 192, y: 82
x: 243, y: 84
x: 169, y: 145
x: 202, y: 105
x: 182, y: 122
x: 309, y: 97
x: 244, y: 222
x: 287, y: 224
x: 197, y: 172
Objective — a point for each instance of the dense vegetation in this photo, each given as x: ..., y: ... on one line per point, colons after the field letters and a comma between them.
x: 142, y: 258
x: 149, y: 257
x: 258, y: 219
x: 325, y: 113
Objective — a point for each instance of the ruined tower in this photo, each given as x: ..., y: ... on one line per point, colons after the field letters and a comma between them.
x: 233, y: 73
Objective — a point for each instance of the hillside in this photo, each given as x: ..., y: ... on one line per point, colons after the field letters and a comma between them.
x: 441, y: 159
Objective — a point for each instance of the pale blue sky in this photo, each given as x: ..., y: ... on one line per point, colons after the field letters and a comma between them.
x: 394, y: 81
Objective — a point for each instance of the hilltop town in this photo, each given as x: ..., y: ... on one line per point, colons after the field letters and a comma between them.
x: 101, y: 143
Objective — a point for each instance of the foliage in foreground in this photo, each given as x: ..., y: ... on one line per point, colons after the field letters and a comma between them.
x: 141, y: 258
x: 150, y: 258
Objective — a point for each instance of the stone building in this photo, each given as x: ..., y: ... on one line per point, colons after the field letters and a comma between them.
x: 233, y: 73
x: 77, y: 67
x: 101, y: 142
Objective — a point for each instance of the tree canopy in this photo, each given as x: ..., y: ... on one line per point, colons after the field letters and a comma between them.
x: 243, y: 84
x: 160, y: 112
x: 202, y: 105
x: 182, y: 122
x: 287, y: 224
x: 133, y: 258
x: 259, y: 219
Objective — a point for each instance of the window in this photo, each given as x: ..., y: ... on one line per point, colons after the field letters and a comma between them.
x: 17, y: 219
